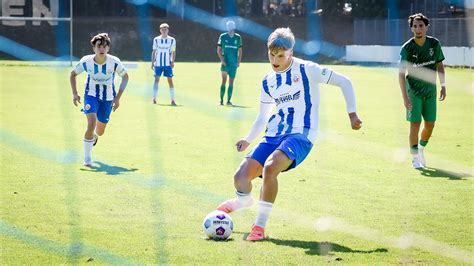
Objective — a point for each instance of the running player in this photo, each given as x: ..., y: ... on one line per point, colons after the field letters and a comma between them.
x: 100, y: 96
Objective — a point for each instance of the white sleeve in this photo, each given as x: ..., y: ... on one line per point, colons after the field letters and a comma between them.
x: 321, y: 74
x: 345, y: 84
x: 79, y: 68
x: 120, y: 69
x: 155, y: 43
x: 260, y: 122
x: 173, y: 45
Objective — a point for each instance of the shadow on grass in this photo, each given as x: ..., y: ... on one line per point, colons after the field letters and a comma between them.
x: 439, y: 173
x: 169, y: 105
x: 320, y: 248
x: 107, y: 169
x: 233, y: 106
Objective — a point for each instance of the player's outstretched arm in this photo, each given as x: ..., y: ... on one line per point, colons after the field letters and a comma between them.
x: 76, y: 99
x: 440, y: 69
x: 356, y: 123
x: 257, y: 127
x: 348, y: 90
x: 402, y: 84
x: 123, y: 85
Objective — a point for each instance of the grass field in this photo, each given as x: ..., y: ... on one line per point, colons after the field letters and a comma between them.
x: 160, y: 169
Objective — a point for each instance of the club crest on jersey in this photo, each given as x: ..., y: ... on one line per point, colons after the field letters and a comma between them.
x: 296, y: 79
x: 431, y: 52
x: 288, y: 97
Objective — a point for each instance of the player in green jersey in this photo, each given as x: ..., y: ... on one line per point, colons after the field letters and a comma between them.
x: 421, y: 58
x: 229, y: 50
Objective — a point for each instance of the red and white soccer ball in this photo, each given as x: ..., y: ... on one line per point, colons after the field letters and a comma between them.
x: 218, y: 225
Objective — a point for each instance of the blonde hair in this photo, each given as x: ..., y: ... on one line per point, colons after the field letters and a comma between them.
x: 164, y: 25
x: 281, y: 39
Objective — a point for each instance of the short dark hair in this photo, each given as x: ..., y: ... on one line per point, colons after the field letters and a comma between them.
x: 418, y: 16
x: 101, y: 39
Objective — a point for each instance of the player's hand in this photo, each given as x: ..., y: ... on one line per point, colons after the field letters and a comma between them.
x: 442, y: 94
x: 116, y: 104
x: 152, y: 67
x: 356, y: 123
x: 407, y: 104
x: 172, y: 64
x: 76, y: 99
x: 238, y: 64
x: 242, y: 145
x: 223, y: 63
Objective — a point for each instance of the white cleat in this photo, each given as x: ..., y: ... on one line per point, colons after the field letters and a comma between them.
x: 421, y: 156
x: 416, y: 163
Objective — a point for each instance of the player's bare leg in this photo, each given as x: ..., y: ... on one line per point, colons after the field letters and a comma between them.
x: 155, y: 89
x: 171, y: 86
x: 230, y: 91
x: 248, y: 170
x: 425, y: 136
x: 277, y: 162
x: 224, y: 81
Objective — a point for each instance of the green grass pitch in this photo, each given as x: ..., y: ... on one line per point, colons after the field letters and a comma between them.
x: 160, y: 169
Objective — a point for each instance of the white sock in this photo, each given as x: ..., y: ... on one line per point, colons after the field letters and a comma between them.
x: 264, y: 209
x: 88, y: 149
x: 155, y: 90
x: 243, y: 199
x: 172, y: 94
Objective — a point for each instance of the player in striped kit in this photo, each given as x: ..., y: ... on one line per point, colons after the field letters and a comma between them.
x: 293, y: 88
x: 100, y: 96
x: 162, y: 60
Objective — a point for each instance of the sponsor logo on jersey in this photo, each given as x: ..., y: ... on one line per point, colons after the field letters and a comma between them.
x: 288, y: 97
x: 101, y: 80
x: 424, y: 64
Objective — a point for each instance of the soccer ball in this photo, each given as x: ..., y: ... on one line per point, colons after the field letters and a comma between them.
x: 218, y: 225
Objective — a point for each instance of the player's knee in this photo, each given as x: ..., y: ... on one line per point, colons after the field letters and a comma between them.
x: 429, y: 125
x: 240, y: 177
x: 415, y: 125
x: 271, y: 169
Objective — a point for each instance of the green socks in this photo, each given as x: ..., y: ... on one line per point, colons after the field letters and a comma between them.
x: 229, y: 92
x: 222, y: 92
x: 423, y: 142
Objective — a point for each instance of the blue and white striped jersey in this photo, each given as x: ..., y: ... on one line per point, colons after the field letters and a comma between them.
x: 163, y: 48
x: 295, y: 92
x: 100, y: 78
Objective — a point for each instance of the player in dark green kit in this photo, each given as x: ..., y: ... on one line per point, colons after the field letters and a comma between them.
x: 421, y: 59
x: 229, y: 50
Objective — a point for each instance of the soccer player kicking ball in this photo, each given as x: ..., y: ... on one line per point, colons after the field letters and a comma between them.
x: 100, y: 96
x: 293, y: 88
x: 421, y: 57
